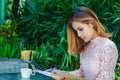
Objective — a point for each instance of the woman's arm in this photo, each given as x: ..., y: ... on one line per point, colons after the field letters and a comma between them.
x: 108, y: 59
x: 78, y: 72
x: 66, y: 75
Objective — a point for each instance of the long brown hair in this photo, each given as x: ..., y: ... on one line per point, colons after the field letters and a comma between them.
x: 84, y: 15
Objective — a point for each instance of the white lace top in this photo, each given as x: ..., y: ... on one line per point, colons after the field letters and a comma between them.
x: 98, y: 60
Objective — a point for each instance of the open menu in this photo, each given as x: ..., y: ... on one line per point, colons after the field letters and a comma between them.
x: 61, y: 75
x: 48, y: 74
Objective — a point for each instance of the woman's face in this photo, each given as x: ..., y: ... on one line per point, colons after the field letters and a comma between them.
x: 85, y: 31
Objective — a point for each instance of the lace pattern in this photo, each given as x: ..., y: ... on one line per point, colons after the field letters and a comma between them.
x: 98, y: 61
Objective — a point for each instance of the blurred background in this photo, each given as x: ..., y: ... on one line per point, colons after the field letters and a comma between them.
x: 40, y: 25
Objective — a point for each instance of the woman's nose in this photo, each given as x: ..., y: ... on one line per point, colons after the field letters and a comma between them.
x: 79, y: 34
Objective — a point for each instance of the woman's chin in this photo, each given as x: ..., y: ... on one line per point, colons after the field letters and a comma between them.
x: 86, y: 40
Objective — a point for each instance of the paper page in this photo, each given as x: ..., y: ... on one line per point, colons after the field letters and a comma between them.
x: 48, y: 74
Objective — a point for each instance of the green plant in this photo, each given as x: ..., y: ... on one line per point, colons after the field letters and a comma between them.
x: 42, y: 25
x: 9, y: 50
x: 45, y: 22
x: 117, y: 72
x: 9, y: 41
x: 45, y: 56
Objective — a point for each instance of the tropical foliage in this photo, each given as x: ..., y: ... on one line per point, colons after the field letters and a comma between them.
x: 41, y: 26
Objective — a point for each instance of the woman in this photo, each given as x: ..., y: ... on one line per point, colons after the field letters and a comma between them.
x: 87, y: 36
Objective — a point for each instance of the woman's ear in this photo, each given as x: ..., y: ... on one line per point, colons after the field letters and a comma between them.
x: 90, y: 24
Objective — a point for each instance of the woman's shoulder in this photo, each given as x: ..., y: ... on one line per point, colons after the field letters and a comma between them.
x: 107, y: 41
x: 102, y: 41
x: 108, y: 46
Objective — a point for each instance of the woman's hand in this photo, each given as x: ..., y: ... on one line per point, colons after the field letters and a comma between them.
x: 53, y: 70
x: 56, y: 71
x: 59, y: 74
x: 63, y: 78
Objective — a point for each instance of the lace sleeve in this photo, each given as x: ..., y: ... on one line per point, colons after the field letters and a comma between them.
x: 78, y: 72
x: 108, y: 59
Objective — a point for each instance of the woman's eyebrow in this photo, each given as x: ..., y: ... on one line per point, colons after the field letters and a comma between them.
x: 79, y: 27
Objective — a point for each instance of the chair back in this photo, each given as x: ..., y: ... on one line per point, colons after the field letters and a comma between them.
x: 12, y: 65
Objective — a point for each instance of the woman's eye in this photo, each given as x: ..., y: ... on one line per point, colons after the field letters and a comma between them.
x: 80, y: 29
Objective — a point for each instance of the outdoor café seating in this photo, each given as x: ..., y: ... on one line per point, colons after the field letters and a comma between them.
x: 10, y: 69
x: 12, y: 65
